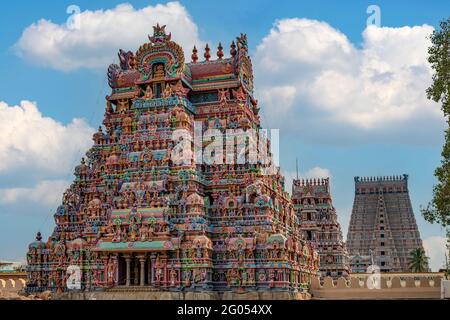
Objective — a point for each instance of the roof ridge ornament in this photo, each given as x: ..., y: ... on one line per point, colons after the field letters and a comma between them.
x: 233, y: 49
x: 207, y: 55
x: 242, y: 42
x: 220, y: 51
x: 159, y: 34
x: 194, y: 56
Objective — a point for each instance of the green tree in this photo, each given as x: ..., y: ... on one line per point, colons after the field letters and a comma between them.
x: 438, y: 210
x: 419, y: 261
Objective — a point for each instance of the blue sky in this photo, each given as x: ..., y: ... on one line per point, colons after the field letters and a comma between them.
x: 329, y: 137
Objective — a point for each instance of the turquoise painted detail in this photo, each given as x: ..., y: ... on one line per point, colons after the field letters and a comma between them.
x: 163, y: 102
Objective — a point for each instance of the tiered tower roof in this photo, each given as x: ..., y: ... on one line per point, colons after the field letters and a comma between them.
x: 319, y: 224
x: 136, y: 215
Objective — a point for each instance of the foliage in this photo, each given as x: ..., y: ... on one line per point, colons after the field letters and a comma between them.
x: 438, y: 210
x: 419, y: 260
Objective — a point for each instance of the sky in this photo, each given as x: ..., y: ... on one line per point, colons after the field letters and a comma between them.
x: 348, y: 96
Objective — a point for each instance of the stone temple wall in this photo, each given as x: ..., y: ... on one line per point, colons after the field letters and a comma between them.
x: 164, y: 295
x: 391, y: 286
x: 12, y: 281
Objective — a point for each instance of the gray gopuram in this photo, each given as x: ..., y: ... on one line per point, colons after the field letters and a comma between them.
x: 382, y: 229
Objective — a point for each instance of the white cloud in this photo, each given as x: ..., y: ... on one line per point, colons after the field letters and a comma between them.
x: 330, y: 90
x: 46, y: 192
x: 435, y: 248
x: 315, y: 172
x: 101, y: 33
x: 38, y: 144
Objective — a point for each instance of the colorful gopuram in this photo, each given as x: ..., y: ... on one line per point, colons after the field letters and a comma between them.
x: 319, y: 224
x: 383, y: 230
x: 136, y: 216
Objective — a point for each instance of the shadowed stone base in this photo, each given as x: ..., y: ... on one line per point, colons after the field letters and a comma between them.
x: 164, y: 295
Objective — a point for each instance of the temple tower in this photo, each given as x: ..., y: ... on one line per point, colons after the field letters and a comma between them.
x: 319, y: 225
x: 146, y: 209
x: 382, y: 230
